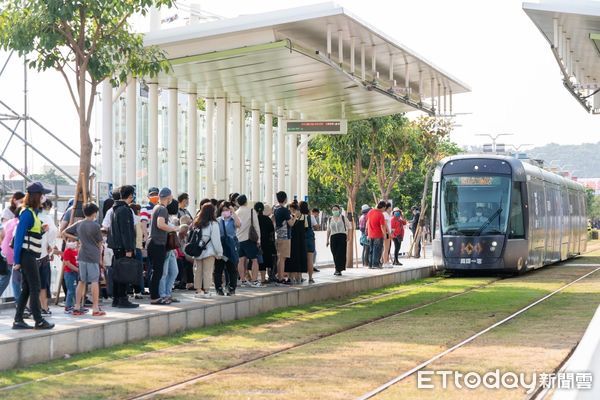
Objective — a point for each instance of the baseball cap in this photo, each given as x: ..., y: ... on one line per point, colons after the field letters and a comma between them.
x: 396, y: 209
x: 164, y: 192
x: 37, y: 187
x: 365, y: 207
x: 153, y: 189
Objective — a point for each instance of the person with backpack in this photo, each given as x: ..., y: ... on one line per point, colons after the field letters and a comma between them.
x: 338, y: 231
x: 206, y: 237
x: 228, y: 226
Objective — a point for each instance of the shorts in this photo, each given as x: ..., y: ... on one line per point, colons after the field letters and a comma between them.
x: 89, y: 272
x: 284, y: 247
x: 248, y: 249
x: 44, y: 264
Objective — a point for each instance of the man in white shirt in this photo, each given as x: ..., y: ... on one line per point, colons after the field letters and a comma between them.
x: 248, y: 249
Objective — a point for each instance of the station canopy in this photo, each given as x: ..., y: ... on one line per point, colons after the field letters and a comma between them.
x: 572, y: 29
x: 281, y: 58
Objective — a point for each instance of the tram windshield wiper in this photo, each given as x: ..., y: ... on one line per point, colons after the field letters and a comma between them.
x: 488, y: 222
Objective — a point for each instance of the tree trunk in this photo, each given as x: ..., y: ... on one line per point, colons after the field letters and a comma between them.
x: 423, y: 210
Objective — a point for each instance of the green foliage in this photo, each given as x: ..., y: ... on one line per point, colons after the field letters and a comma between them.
x: 87, y: 41
x: 50, y: 177
x: 393, y: 148
x: 90, y: 36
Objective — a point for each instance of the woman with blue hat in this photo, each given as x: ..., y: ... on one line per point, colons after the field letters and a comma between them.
x: 27, y: 248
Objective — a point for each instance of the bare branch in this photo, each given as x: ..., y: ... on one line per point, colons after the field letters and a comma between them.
x: 71, y: 92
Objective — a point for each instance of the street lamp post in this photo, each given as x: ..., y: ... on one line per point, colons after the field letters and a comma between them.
x: 494, y: 138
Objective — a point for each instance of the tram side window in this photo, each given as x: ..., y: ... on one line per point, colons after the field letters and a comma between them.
x: 517, y: 225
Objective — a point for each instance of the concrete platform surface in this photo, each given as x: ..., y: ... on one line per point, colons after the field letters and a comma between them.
x: 77, y: 334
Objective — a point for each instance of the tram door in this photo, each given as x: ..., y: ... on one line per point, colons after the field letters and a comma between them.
x: 549, y: 222
x: 566, y: 225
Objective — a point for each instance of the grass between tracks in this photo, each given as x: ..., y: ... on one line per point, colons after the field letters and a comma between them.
x: 352, y: 363
x: 125, y: 370
x: 536, y: 341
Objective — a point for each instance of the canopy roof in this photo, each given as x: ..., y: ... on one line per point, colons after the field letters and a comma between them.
x: 280, y: 58
x: 572, y: 28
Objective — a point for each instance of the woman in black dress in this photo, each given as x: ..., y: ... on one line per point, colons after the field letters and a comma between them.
x: 296, y: 265
x: 267, y: 241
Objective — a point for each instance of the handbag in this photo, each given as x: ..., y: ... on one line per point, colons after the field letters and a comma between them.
x: 196, y: 245
x: 364, y: 240
x: 252, y: 234
x: 173, y: 241
x: 127, y: 270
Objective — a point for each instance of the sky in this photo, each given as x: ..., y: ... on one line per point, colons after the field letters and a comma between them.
x: 490, y: 45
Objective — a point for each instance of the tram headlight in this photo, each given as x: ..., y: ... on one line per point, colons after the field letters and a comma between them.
x: 494, y: 244
x: 450, y: 244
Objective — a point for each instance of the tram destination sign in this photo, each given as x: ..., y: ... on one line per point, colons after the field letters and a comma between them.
x: 329, y: 126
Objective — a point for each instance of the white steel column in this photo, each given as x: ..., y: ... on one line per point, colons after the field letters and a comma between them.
x: 293, y: 169
x: 107, y: 132
x: 268, y: 158
x: 235, y: 145
x: 192, y: 150
x: 281, y: 128
x: 209, y: 158
x: 152, y: 134
x: 301, y: 153
x: 130, y: 136
x: 173, y: 154
x: 221, y: 149
x: 255, y: 153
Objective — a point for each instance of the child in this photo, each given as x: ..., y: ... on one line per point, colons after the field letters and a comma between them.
x: 71, y: 271
x: 90, y: 237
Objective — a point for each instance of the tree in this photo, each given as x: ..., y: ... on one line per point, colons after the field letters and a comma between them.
x: 87, y: 41
x: 50, y: 177
x: 435, y: 146
x: 344, y: 161
x: 396, y: 145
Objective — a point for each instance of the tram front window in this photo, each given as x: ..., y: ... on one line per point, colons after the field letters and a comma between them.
x: 475, y: 205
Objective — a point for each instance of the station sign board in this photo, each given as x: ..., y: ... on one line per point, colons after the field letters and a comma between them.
x: 329, y: 126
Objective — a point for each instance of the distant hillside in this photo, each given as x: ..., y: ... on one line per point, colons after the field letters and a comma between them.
x: 583, y: 159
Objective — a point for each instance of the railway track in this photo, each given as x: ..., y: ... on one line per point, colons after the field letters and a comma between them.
x: 466, y: 341
x: 204, y: 376
x: 194, y: 342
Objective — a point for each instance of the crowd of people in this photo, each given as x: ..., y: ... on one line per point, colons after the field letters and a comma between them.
x: 149, y: 251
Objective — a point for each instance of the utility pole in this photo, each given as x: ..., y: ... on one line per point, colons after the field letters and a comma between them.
x: 25, y: 114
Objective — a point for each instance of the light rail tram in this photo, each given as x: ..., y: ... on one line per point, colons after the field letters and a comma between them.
x: 501, y: 214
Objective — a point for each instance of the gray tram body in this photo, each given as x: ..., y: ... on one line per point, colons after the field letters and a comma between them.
x: 546, y: 221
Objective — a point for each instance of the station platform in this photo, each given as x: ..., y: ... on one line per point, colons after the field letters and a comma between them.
x: 80, y: 334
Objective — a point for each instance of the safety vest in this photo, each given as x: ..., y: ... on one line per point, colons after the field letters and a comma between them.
x: 33, y: 237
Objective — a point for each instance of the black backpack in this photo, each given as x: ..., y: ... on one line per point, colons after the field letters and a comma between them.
x: 195, y: 246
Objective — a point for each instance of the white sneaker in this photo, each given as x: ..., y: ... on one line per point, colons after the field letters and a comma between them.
x: 256, y: 284
x: 206, y: 295
x: 245, y: 284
